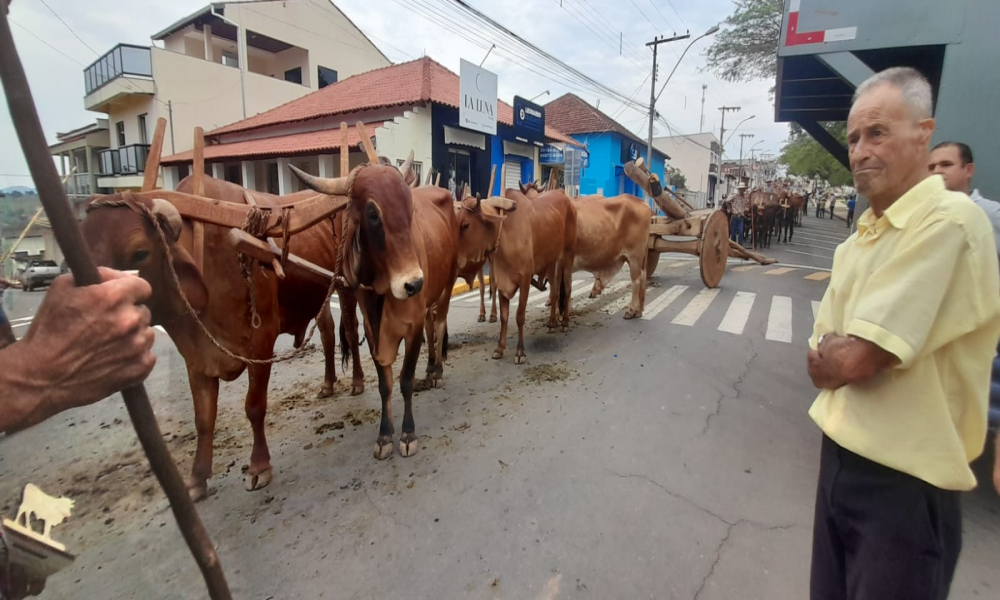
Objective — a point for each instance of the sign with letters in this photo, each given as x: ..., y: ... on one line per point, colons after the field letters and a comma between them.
x: 477, y: 91
x: 529, y: 120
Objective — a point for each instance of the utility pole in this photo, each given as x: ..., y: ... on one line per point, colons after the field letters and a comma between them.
x: 742, y: 137
x: 701, y: 126
x: 722, y: 136
x: 652, y: 94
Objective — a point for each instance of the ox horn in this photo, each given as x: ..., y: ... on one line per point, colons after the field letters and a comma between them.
x: 168, y: 215
x: 336, y: 186
x: 479, y: 202
x: 404, y: 169
x: 501, y: 203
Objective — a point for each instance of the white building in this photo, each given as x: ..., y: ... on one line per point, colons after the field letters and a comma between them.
x: 697, y: 157
x: 223, y: 63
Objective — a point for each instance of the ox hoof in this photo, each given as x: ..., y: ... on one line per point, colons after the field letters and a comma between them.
x: 632, y: 314
x: 257, y: 481
x: 592, y: 295
x: 357, y: 388
x: 493, y: 318
x: 497, y: 354
x: 408, y: 444
x: 197, y: 490
x: 520, y: 359
x: 325, y: 392
x: 482, y: 318
x: 383, y: 448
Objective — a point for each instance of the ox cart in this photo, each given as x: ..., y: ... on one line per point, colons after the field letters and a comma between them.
x: 703, y: 233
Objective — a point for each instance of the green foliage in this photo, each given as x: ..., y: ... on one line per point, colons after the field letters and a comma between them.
x: 805, y: 157
x: 15, y: 212
x: 746, y: 48
x: 678, y: 179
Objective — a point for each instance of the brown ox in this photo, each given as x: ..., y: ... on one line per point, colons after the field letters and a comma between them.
x: 125, y: 239
x: 402, y: 261
x: 478, y: 236
x: 537, y: 239
x: 609, y: 233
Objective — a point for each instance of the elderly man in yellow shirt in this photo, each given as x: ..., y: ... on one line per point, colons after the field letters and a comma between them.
x: 901, y: 351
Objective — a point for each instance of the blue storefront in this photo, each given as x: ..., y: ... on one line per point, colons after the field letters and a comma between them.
x: 609, y: 151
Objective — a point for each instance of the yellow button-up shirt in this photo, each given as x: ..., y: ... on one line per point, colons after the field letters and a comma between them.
x: 922, y: 283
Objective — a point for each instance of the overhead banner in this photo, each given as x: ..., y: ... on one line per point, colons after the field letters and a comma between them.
x: 529, y: 120
x: 477, y: 90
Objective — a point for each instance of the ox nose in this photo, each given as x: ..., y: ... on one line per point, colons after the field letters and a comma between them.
x: 413, y: 287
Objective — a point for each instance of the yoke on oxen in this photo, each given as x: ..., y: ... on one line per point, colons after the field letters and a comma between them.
x: 708, y: 229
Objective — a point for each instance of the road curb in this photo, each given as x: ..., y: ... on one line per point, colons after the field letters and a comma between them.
x: 461, y: 288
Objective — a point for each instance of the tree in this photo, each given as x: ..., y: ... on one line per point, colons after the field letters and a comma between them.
x: 747, y: 47
x: 807, y: 158
x: 678, y: 180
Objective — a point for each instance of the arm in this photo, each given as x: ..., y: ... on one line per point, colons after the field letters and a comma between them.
x: 843, y: 360
x: 84, y: 345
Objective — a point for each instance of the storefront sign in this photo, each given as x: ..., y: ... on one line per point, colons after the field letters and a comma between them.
x: 629, y: 151
x: 550, y: 155
x: 529, y: 120
x: 477, y: 91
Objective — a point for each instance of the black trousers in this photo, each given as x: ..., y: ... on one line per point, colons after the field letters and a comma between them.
x: 880, y: 534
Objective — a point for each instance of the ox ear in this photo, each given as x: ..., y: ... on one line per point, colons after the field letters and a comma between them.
x: 458, y: 207
x: 192, y: 284
x: 168, y: 217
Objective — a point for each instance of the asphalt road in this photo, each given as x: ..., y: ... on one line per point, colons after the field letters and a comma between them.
x: 667, y: 457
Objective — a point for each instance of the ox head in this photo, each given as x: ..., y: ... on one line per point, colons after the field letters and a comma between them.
x: 479, y: 225
x: 530, y: 190
x: 381, y: 252
x: 121, y: 235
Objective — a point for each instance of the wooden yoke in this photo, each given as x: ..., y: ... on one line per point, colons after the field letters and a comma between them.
x: 198, y: 227
x: 637, y: 172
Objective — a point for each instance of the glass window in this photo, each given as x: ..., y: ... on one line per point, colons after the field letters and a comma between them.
x: 143, y: 135
x: 230, y: 59
x: 294, y: 75
x: 120, y: 131
x: 136, y: 61
x: 325, y: 76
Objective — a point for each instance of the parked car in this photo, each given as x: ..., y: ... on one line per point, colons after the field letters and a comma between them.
x: 38, y: 273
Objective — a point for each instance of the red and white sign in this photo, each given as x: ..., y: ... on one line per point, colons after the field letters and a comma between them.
x: 795, y: 37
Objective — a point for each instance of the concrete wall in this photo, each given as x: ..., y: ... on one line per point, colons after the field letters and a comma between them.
x: 208, y: 94
x: 128, y: 111
x: 412, y: 131
x: 289, y: 59
x: 602, y: 176
x: 689, y: 157
x: 970, y: 92
x: 329, y: 37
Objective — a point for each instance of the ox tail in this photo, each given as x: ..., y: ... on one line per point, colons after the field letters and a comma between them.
x: 444, y: 344
x: 563, y: 293
x: 345, y: 350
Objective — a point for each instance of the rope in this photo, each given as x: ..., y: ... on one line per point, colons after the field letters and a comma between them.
x: 254, y: 223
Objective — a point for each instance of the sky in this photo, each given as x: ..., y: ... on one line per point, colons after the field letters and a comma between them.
x: 586, y: 34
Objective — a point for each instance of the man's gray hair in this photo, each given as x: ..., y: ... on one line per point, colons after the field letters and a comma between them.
x: 912, y: 86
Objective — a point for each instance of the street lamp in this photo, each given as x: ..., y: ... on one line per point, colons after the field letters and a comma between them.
x: 652, y: 104
x: 539, y: 95
x: 711, y: 30
x: 735, y: 128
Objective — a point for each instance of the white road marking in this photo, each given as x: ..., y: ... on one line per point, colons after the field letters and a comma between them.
x: 779, y: 321
x: 696, y: 307
x: 22, y: 319
x: 473, y: 295
x: 656, y: 306
x: 15, y: 326
x: 808, y: 254
x: 738, y: 313
x: 815, y: 306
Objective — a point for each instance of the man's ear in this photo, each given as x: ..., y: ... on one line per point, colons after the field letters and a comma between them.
x: 926, y: 130
x: 192, y: 284
x: 970, y: 170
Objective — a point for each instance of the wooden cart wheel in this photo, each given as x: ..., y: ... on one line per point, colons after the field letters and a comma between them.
x: 714, y: 249
x: 652, y: 259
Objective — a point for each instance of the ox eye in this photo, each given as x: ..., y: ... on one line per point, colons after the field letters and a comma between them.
x: 373, y: 218
x: 139, y: 256
x: 465, y: 226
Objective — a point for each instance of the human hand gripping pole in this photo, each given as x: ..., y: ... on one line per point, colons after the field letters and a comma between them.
x: 70, y: 239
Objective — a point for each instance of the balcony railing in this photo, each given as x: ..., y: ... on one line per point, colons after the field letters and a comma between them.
x: 126, y: 160
x: 123, y: 59
x: 78, y: 185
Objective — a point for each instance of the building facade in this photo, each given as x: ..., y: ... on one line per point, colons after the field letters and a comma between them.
x: 77, y: 154
x: 223, y: 63
x: 609, y: 145
x: 697, y: 157
x: 409, y: 106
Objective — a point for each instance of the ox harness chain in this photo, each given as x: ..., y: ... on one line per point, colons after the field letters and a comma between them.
x: 255, y: 224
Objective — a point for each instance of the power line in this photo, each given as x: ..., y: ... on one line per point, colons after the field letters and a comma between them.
x: 96, y: 53
x: 607, y: 38
x: 676, y: 13
x: 655, y: 28
x: 29, y: 32
x: 673, y: 29
x: 635, y: 50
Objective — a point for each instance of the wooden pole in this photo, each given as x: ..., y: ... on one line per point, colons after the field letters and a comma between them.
x: 152, y: 168
x: 70, y: 239
x: 198, y: 171
x: 437, y: 180
x: 345, y: 150
x: 367, y: 143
